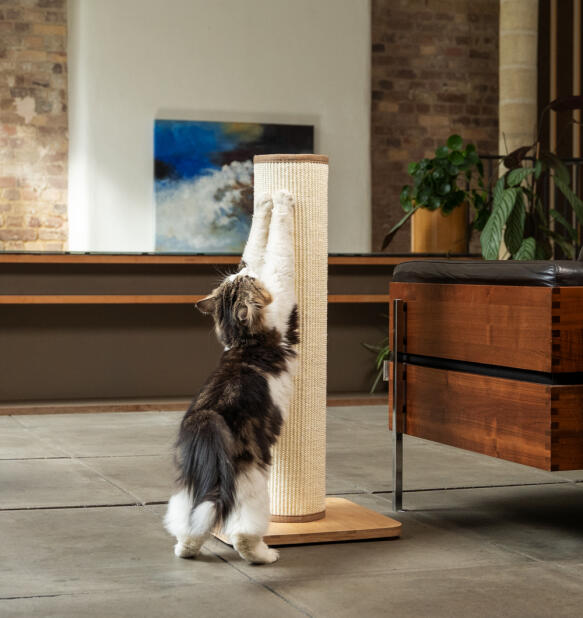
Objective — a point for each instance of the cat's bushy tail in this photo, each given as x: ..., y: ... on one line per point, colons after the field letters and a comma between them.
x: 205, y: 466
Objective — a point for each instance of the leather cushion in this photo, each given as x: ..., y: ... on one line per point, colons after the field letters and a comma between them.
x: 494, y: 272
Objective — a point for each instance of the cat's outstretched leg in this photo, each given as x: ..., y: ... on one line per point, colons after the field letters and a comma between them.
x: 248, y: 522
x: 254, y: 253
x: 190, y: 527
x: 278, y: 272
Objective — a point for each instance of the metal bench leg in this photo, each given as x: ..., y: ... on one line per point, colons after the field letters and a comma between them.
x: 397, y: 433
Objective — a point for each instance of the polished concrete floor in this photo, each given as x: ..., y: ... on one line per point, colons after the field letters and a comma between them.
x: 82, y: 497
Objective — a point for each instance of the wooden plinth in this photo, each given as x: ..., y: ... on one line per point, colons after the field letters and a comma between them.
x: 344, y: 521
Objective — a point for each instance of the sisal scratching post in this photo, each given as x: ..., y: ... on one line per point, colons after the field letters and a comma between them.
x: 301, y: 513
x: 298, y: 475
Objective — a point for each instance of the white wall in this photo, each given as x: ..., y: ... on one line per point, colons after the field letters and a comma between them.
x: 289, y: 61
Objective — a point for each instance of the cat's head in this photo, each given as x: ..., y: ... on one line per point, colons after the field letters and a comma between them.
x: 237, y: 306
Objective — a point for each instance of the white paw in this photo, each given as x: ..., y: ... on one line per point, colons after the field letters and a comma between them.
x: 283, y: 201
x: 268, y: 556
x: 272, y: 555
x: 263, y: 203
x: 183, y: 551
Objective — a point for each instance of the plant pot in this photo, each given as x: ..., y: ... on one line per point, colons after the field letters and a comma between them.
x: 431, y: 232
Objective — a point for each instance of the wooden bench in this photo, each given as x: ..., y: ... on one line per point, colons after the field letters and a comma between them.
x: 489, y: 359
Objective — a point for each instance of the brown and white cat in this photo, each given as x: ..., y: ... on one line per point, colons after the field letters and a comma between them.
x: 225, y: 438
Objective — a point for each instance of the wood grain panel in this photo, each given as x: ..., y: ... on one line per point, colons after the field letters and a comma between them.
x: 502, y: 418
x: 358, y: 298
x: 567, y: 331
x: 495, y: 325
x: 567, y: 428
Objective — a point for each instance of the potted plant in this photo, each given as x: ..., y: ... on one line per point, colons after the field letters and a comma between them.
x: 516, y: 213
x: 437, y: 200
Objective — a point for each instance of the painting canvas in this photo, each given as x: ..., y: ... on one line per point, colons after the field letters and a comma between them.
x: 204, y: 180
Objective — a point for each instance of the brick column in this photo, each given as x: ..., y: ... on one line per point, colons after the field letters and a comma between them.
x: 33, y: 125
x: 434, y: 73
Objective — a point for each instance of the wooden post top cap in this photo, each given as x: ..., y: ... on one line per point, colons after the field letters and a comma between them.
x: 291, y: 158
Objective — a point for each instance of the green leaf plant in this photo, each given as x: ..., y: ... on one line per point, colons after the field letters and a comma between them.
x: 516, y: 213
x: 438, y: 183
x: 382, y: 353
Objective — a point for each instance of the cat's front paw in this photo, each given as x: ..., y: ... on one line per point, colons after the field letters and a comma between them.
x: 263, y: 204
x: 267, y: 556
x: 283, y: 201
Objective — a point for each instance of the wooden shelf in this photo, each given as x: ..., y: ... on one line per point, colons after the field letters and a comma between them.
x: 358, y: 298
x: 137, y: 259
x: 99, y: 299
x: 86, y: 258
x: 176, y: 404
x: 151, y: 299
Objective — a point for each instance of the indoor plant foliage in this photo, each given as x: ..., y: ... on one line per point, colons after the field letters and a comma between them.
x: 382, y: 353
x: 516, y: 212
x: 437, y: 182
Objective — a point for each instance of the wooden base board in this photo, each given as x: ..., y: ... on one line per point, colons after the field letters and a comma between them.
x: 155, y: 405
x: 344, y: 521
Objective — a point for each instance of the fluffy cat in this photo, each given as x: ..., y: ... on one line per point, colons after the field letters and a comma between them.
x: 225, y: 438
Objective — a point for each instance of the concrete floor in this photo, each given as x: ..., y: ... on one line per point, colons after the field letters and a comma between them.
x: 82, y: 497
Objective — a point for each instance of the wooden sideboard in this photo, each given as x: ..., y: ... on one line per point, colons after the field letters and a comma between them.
x: 86, y: 327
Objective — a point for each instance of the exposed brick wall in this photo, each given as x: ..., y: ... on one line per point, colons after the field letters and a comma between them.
x: 33, y: 125
x: 434, y: 73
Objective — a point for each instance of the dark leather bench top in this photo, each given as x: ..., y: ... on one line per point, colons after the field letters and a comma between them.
x: 495, y: 272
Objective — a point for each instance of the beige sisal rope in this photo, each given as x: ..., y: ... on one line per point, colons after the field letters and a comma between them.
x: 298, y: 476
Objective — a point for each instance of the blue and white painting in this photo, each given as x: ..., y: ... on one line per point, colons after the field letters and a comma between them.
x: 204, y: 180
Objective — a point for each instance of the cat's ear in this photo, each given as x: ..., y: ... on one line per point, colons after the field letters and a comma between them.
x: 207, y: 305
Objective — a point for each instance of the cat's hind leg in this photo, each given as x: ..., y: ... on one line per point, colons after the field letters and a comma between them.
x: 254, y: 252
x: 248, y: 522
x: 191, y: 527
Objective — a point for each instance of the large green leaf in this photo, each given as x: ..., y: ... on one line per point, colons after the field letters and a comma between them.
x: 491, y: 236
x: 498, y: 190
x: 514, y: 234
x: 517, y: 176
x: 527, y: 250
x: 391, y: 234
x: 455, y: 142
x: 457, y: 158
x: 575, y: 201
x: 442, y: 152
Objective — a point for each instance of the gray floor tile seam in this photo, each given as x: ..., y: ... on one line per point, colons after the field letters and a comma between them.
x: 67, y: 507
x: 108, y: 480
x: 34, y: 458
x: 50, y: 596
x: 152, y: 455
x: 262, y: 584
x: 379, y: 492
x: 421, y: 572
x: 44, y: 439
x: 388, y: 571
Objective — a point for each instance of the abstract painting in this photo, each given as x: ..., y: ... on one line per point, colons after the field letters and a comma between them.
x: 203, y: 180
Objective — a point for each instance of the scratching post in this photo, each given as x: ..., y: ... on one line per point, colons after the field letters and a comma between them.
x: 298, y: 476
